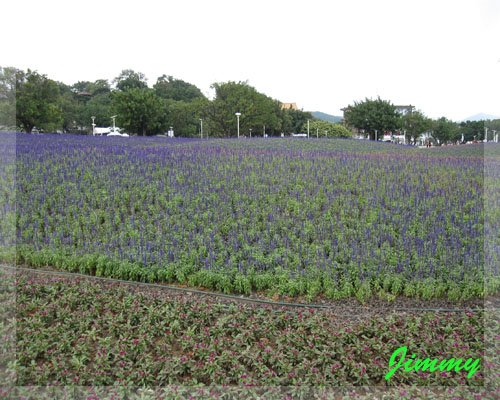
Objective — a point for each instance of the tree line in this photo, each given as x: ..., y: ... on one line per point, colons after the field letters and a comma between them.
x: 30, y: 100
x: 376, y: 117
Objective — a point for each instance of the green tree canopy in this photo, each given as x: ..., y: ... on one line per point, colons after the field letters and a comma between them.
x: 472, y: 130
x: 493, y: 124
x: 445, y: 130
x: 414, y: 124
x: 185, y: 117
x: 257, y: 110
x: 373, y: 116
x: 37, y: 102
x: 89, y: 89
x: 100, y: 107
x: 167, y: 87
x: 292, y: 121
x: 71, y: 108
x: 8, y: 97
x: 94, y: 100
x: 129, y: 79
x: 320, y: 128
x: 139, y: 111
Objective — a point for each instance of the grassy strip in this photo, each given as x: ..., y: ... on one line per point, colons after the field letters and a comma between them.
x: 277, y: 282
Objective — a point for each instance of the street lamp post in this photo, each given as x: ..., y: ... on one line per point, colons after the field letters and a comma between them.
x: 238, y: 122
x: 114, y: 120
x: 93, y: 125
x: 250, y: 132
x: 201, y: 128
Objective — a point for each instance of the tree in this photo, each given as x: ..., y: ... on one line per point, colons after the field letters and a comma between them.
x: 86, y: 89
x: 493, y: 124
x: 373, y: 117
x: 139, y: 111
x: 445, y: 130
x: 185, y: 117
x: 326, y: 129
x: 94, y: 100
x: 71, y: 108
x: 167, y: 87
x: 8, y: 97
x: 100, y: 107
x: 292, y: 121
x: 129, y: 79
x: 472, y: 130
x: 414, y: 124
x: 256, y: 109
x: 37, y: 102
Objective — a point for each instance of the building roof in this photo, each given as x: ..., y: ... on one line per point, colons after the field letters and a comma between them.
x: 289, y: 106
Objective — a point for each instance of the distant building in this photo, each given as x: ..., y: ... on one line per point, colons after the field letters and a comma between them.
x: 405, y: 109
x: 289, y: 106
x: 424, y: 139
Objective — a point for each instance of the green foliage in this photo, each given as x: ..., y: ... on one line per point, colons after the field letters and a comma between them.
x: 492, y: 125
x: 373, y: 116
x: 72, y: 109
x: 130, y: 79
x: 98, y: 106
x: 364, y: 292
x: 152, y: 337
x: 184, y: 117
x: 256, y: 110
x: 37, y: 102
x: 8, y: 97
x: 472, y: 130
x: 272, y: 210
x: 139, y: 111
x: 414, y: 124
x: 86, y: 88
x: 292, y: 121
x: 167, y: 87
x: 445, y: 130
x: 320, y: 128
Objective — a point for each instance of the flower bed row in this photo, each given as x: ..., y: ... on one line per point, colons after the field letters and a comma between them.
x: 79, y: 332
x: 339, y: 218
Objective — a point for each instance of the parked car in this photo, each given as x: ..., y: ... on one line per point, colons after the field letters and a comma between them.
x: 117, y: 133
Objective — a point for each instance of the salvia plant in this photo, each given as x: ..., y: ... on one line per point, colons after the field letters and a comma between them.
x: 299, y: 218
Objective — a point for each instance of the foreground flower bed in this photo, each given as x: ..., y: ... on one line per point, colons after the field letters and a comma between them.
x: 82, y: 332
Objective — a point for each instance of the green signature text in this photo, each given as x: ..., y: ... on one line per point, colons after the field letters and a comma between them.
x: 398, y: 360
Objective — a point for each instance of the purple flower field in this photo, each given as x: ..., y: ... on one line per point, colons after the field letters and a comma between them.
x: 314, y: 220
x: 332, y: 218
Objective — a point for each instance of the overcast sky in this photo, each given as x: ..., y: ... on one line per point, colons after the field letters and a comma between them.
x: 442, y: 56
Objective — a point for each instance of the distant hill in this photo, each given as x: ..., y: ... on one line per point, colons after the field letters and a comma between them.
x: 481, y: 117
x: 326, y: 117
